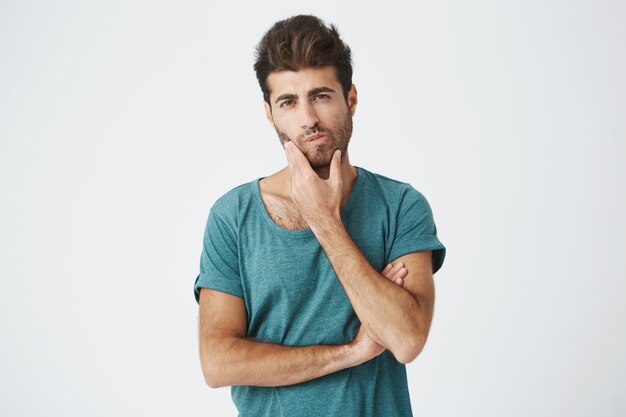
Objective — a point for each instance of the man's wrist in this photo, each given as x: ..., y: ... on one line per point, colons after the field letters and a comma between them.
x: 353, y: 354
x: 326, y: 225
x: 340, y: 357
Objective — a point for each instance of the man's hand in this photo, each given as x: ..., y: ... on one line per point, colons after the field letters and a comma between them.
x: 395, y: 273
x: 317, y: 200
x: 367, y: 348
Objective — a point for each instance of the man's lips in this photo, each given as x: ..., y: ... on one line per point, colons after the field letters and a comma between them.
x: 319, y: 136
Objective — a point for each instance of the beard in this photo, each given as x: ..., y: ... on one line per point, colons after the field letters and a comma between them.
x: 320, y: 155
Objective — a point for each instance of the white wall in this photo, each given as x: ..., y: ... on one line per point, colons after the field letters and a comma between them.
x: 122, y: 122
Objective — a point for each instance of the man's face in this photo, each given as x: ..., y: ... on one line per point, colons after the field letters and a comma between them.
x: 308, y: 108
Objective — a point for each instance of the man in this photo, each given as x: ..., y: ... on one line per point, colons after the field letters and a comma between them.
x: 294, y: 313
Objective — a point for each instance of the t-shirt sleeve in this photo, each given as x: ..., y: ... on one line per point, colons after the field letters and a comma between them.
x: 219, y: 261
x: 415, y: 229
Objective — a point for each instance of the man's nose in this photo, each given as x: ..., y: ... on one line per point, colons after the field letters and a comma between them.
x: 308, y: 116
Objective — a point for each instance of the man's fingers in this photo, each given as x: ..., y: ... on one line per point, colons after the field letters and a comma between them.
x: 386, y: 272
x: 400, y: 272
x: 396, y: 271
x: 391, y: 265
x: 335, y: 166
x: 296, y: 158
x: 292, y: 157
x: 290, y: 161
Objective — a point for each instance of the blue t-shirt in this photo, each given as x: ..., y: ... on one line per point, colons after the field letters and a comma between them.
x: 293, y: 296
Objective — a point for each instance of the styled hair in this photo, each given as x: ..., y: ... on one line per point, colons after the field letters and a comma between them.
x: 300, y: 42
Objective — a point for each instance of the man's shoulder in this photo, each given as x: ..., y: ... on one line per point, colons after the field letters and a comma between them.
x: 387, y: 185
x: 393, y: 194
x: 233, y: 200
x: 383, y: 179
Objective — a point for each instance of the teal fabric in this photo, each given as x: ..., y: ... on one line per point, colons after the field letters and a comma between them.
x: 294, y: 298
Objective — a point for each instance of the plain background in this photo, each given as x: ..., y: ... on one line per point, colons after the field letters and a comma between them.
x: 122, y: 122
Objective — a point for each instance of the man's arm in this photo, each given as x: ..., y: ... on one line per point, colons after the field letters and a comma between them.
x: 397, y: 318
x: 228, y: 358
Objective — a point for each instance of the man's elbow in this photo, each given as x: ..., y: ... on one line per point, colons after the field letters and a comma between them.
x: 407, y: 353
x: 212, y: 382
x: 212, y: 376
x: 212, y: 368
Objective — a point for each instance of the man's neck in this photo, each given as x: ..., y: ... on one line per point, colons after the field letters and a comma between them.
x: 279, y: 183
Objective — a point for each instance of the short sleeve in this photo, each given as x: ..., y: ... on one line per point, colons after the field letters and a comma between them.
x: 415, y: 229
x: 219, y: 261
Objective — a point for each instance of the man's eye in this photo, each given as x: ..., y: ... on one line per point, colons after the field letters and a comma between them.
x: 322, y: 96
x: 287, y: 103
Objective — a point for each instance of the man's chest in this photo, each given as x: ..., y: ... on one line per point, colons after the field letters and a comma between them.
x: 283, y: 213
x: 292, y: 292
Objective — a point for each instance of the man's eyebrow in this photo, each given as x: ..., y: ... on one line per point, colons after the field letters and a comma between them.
x: 318, y: 90
x: 287, y: 96
x: 314, y: 92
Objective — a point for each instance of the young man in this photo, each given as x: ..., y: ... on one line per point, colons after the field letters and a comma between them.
x: 316, y: 282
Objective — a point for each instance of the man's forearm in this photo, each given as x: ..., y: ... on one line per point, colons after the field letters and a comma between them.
x: 388, y: 312
x: 236, y: 361
x: 390, y: 315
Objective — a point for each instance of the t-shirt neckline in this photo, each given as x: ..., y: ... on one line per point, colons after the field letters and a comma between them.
x: 304, y: 233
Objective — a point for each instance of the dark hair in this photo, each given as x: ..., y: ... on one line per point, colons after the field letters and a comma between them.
x: 299, y: 42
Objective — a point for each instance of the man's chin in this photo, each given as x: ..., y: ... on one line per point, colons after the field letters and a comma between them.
x: 318, y: 168
x: 320, y: 163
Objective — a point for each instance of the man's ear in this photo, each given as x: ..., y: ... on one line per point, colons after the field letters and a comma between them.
x: 352, y: 99
x: 268, y: 113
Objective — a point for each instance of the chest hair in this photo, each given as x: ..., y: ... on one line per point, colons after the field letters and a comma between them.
x: 284, y: 214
